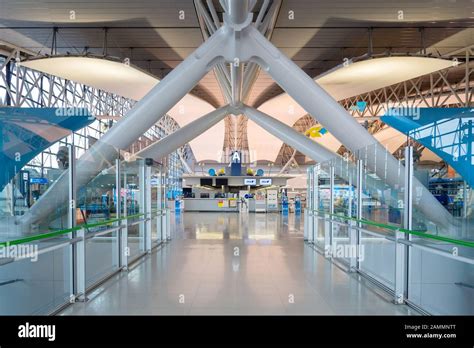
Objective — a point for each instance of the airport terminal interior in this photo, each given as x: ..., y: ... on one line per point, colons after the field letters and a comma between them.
x: 236, y: 157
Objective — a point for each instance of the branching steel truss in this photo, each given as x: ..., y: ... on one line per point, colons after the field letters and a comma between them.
x: 236, y: 86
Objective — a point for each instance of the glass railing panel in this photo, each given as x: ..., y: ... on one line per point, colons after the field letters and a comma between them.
x: 377, y: 258
x: 102, y: 255
x: 441, y: 285
x: 38, y: 284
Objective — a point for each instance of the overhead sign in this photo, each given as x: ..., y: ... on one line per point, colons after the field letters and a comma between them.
x: 250, y: 182
x: 235, y: 157
x: 41, y: 181
x: 265, y: 182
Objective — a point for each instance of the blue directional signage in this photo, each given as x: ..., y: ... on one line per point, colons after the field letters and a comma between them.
x: 41, y: 181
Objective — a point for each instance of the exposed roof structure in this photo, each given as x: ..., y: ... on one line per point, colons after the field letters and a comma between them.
x: 318, y: 36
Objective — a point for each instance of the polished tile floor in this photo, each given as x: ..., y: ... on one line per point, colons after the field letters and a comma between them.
x: 236, y: 264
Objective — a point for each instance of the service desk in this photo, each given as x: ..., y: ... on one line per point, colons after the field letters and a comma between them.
x: 211, y: 204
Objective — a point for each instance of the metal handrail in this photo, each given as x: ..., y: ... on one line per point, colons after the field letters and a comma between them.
x: 54, y: 234
x: 431, y: 249
x: 398, y: 229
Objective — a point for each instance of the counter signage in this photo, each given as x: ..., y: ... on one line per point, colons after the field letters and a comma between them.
x: 250, y: 182
x: 265, y: 182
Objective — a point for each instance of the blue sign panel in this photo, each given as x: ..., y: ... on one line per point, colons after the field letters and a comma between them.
x: 41, y: 181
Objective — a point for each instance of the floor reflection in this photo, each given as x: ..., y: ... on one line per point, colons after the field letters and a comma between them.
x: 245, y: 226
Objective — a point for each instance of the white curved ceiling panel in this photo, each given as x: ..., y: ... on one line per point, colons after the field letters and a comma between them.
x: 104, y: 74
x: 372, y: 74
x: 133, y: 83
x: 341, y: 83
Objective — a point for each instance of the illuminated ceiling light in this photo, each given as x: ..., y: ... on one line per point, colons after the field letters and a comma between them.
x: 101, y: 73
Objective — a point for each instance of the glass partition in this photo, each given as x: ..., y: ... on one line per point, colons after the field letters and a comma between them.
x: 36, y: 285
x: 428, y: 259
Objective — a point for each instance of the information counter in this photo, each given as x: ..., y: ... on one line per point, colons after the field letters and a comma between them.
x: 211, y: 204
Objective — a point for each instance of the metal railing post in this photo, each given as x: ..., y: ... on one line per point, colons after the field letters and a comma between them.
x: 331, y: 205
x: 142, y: 232
x: 401, y: 251
x: 80, y: 246
x: 315, y: 203
x: 357, y: 234
x: 78, y: 250
x: 148, y: 241
x: 309, y: 207
x: 159, y: 204
x: 353, y: 240
x: 118, y: 212
x: 125, y: 250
